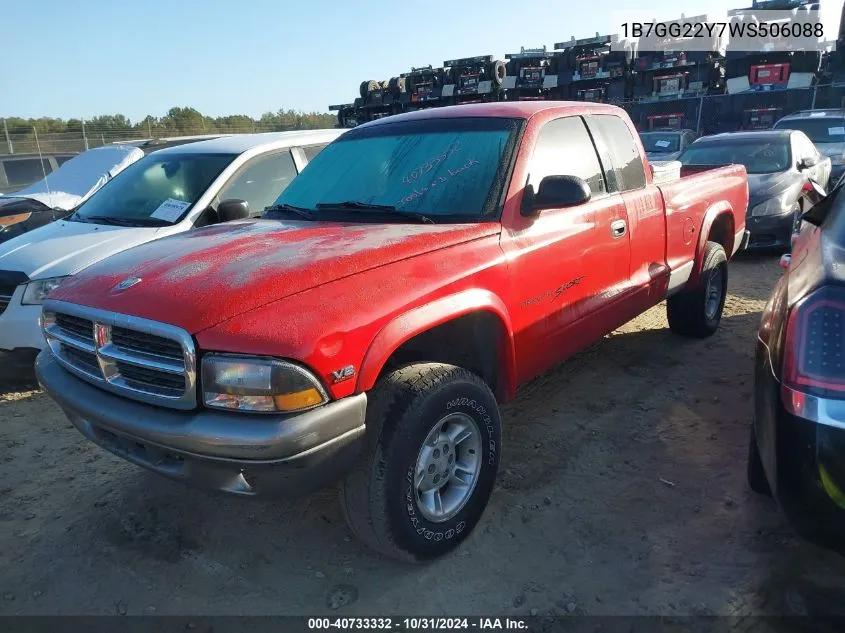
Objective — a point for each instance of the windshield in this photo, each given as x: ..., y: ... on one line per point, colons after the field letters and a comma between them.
x: 820, y: 130
x: 446, y: 169
x: 658, y: 142
x: 158, y: 190
x: 759, y: 157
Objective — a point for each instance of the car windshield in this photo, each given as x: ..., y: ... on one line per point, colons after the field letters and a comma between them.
x: 158, y: 190
x: 658, y: 142
x: 820, y: 130
x: 434, y: 169
x: 759, y: 156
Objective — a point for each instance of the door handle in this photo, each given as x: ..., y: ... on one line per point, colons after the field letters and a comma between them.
x: 618, y: 228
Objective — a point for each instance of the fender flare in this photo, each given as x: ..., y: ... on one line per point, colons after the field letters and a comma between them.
x: 425, y: 317
x: 713, y: 213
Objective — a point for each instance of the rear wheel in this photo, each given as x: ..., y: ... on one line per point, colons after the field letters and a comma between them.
x: 757, y: 480
x: 431, y: 461
x: 697, y: 312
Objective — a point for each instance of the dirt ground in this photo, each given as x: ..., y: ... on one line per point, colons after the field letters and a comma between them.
x: 622, y: 491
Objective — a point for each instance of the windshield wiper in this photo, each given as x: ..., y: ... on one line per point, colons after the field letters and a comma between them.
x: 289, y: 208
x: 106, y: 219
x: 363, y: 207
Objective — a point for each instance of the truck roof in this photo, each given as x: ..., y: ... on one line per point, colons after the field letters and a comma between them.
x: 498, y: 109
x: 240, y: 143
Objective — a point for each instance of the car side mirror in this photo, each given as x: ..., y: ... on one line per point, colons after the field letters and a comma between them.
x: 233, y: 209
x: 555, y: 192
x: 806, y: 163
x: 818, y: 201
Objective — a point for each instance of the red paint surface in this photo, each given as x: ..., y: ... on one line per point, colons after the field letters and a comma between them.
x: 333, y: 294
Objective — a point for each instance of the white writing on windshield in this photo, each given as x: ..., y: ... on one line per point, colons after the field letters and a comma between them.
x: 418, y: 192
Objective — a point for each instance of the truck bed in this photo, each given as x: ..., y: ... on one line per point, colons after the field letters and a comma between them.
x: 693, y: 199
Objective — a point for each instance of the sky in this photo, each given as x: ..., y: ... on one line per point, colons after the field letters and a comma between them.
x: 139, y: 57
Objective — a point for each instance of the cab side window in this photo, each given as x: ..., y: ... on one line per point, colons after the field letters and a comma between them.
x: 564, y: 148
x: 803, y: 147
x: 624, y: 154
x: 261, y: 181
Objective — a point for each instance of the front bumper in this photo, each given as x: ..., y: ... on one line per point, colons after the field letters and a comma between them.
x: 215, y: 450
x: 770, y: 232
x: 19, y: 327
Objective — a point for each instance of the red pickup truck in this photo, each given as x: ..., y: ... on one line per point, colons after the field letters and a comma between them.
x: 367, y: 328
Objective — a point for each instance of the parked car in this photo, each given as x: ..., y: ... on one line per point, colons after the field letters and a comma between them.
x: 797, y: 447
x: 779, y: 163
x: 20, y: 170
x: 666, y: 145
x: 55, y: 196
x: 169, y: 191
x: 412, y: 276
x: 825, y: 128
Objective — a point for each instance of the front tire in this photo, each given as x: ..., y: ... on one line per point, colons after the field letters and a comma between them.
x: 433, y: 448
x: 697, y: 312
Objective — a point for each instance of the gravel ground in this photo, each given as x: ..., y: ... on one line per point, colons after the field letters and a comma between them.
x: 622, y: 491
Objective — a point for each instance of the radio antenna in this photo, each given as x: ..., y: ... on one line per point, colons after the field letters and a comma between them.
x: 43, y: 169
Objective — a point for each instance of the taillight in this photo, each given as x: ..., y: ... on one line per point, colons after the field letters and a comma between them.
x: 814, y: 352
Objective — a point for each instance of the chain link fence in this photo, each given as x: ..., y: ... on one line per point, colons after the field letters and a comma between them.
x: 88, y: 137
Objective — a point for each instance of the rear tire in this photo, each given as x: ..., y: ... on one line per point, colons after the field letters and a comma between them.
x: 390, y: 500
x: 697, y: 312
x: 756, y: 474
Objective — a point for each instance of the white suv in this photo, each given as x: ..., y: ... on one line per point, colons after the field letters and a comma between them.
x: 169, y: 191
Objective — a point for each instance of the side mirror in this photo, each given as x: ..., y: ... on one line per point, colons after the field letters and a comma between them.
x: 233, y: 209
x: 817, y: 202
x: 806, y: 163
x: 555, y: 192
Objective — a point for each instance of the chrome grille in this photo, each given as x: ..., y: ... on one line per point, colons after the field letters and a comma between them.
x: 145, y: 360
x: 6, y: 292
x: 133, y: 341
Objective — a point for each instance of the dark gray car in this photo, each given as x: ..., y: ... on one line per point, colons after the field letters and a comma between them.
x: 667, y: 144
x: 779, y: 163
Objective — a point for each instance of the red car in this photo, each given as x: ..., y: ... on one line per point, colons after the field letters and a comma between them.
x: 368, y: 327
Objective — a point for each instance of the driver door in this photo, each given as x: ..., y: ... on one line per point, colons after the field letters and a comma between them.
x: 567, y: 266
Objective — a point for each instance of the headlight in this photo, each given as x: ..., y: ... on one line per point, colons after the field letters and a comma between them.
x: 11, y: 220
x: 258, y: 385
x: 36, y: 291
x: 773, y: 206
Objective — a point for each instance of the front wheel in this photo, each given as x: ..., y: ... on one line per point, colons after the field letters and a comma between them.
x: 697, y: 312
x: 433, y: 448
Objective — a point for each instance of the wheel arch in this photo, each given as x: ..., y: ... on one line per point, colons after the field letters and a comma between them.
x: 476, y: 310
x: 717, y: 226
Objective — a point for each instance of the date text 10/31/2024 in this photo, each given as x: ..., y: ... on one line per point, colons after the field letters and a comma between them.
x: 418, y: 624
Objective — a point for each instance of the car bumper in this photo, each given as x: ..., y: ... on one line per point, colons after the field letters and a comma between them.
x: 19, y: 328
x: 254, y: 455
x: 804, y: 462
x: 770, y: 232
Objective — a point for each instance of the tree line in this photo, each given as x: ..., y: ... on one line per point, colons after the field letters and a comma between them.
x: 177, y: 122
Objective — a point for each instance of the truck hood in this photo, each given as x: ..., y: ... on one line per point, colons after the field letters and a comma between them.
x: 64, y: 248
x: 200, y: 278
